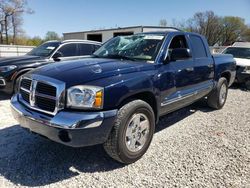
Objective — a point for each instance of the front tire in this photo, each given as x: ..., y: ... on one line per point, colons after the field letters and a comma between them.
x: 132, y: 132
x: 218, y: 97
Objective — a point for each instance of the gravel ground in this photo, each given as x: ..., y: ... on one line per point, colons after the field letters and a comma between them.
x: 193, y: 147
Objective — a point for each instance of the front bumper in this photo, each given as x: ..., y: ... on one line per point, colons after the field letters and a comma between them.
x: 5, y: 86
x: 2, y: 81
x: 6, y: 83
x: 76, y: 129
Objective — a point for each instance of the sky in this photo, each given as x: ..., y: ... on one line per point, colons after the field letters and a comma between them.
x: 79, y: 15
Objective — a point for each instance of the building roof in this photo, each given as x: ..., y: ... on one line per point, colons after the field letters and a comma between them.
x: 120, y: 28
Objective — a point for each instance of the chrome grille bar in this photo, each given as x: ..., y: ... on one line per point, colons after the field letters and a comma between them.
x: 43, y: 102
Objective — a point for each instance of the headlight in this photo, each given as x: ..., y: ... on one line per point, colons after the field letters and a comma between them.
x: 7, y: 68
x: 85, y: 97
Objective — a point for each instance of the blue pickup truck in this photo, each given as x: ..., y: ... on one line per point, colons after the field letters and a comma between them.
x: 116, y: 96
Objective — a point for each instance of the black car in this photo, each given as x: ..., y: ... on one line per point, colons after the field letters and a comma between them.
x: 11, y: 68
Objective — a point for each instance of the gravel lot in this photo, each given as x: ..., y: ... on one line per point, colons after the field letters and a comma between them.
x: 193, y: 147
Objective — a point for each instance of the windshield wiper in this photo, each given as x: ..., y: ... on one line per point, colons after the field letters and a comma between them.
x: 117, y: 56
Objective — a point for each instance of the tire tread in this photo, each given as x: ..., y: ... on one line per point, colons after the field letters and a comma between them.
x: 213, y: 98
x: 110, y: 146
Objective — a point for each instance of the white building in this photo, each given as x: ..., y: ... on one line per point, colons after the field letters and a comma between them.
x: 106, y: 34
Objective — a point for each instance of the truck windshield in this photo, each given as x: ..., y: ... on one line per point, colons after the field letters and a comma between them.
x: 143, y: 47
x: 44, y: 50
x: 238, y: 52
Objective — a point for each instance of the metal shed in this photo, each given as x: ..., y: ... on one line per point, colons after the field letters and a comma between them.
x: 106, y: 34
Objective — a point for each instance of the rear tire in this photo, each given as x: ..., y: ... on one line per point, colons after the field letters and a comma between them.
x: 218, y: 96
x: 132, y: 132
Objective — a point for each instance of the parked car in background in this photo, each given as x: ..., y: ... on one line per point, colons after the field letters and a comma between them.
x: 12, y: 68
x: 241, y: 53
x: 116, y: 97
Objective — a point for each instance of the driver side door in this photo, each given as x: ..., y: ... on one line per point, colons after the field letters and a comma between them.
x: 182, y: 77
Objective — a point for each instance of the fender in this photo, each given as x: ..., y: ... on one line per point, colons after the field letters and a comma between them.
x: 126, y: 87
x: 20, y: 72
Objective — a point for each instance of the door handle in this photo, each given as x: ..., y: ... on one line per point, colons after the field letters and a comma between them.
x: 190, y: 69
x: 211, y: 65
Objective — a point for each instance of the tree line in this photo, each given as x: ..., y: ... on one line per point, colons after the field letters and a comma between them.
x: 218, y: 30
x: 36, y: 40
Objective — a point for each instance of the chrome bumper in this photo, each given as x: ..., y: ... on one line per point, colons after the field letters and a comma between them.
x: 67, y: 127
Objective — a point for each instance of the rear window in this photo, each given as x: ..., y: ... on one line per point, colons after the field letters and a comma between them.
x: 238, y: 52
x: 86, y: 49
x: 199, y: 48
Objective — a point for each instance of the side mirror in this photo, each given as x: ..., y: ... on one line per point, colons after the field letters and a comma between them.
x: 57, y: 56
x: 179, y: 54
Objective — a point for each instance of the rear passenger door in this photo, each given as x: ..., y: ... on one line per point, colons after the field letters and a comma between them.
x: 203, y: 65
x: 86, y: 49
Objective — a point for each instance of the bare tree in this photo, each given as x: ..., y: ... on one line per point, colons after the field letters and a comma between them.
x: 179, y: 24
x: 163, y: 23
x: 207, y: 24
x: 16, y: 21
x: 1, y: 25
x: 11, y: 12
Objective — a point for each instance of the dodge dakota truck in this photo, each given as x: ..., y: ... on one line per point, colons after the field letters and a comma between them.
x: 116, y: 97
x: 11, y: 68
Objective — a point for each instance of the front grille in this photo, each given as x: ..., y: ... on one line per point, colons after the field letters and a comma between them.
x: 45, y: 104
x: 25, y: 95
x: 46, y: 89
x: 25, y: 83
x: 39, y: 95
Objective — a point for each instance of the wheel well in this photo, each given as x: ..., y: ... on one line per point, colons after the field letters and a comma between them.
x: 145, y: 96
x: 226, y: 75
x: 21, y: 73
x: 17, y: 76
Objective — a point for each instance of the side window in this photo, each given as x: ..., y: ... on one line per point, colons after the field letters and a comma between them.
x: 86, y: 49
x: 68, y: 50
x: 178, y: 42
x: 199, y: 51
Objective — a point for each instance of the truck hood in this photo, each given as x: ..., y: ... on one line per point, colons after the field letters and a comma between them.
x: 85, y: 70
x: 18, y: 60
x: 242, y: 62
